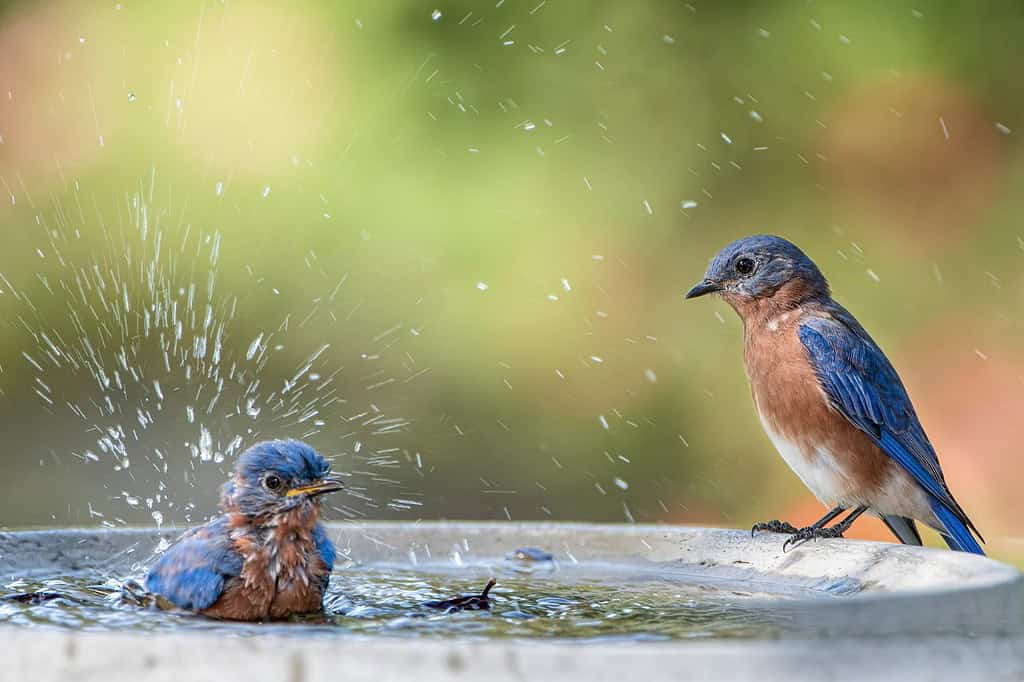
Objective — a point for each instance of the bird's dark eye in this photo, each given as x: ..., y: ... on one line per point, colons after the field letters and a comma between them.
x: 745, y: 266
x: 272, y: 482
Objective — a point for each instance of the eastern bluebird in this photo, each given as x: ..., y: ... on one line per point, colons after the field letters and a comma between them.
x: 267, y: 556
x: 829, y: 399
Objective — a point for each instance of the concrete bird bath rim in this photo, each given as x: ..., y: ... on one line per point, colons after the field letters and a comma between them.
x: 838, y: 591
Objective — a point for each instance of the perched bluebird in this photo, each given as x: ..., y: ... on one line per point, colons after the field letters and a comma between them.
x: 829, y: 399
x: 267, y: 556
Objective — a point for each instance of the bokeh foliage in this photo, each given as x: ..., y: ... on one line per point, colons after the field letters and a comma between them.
x: 489, y: 211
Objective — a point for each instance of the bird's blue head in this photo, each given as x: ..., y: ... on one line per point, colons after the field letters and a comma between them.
x: 757, y: 267
x: 277, y: 476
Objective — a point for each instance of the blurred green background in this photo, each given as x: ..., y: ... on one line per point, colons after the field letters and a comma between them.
x: 446, y: 243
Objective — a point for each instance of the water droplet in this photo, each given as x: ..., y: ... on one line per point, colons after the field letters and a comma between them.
x: 436, y: 15
x: 254, y: 347
x: 131, y: 96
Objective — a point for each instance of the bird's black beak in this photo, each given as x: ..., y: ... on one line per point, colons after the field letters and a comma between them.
x: 705, y: 287
x: 328, y: 485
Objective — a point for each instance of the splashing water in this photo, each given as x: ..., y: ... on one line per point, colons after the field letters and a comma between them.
x: 145, y: 326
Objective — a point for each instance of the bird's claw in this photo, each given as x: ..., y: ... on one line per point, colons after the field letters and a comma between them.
x: 774, y: 526
x: 797, y: 536
x: 802, y: 535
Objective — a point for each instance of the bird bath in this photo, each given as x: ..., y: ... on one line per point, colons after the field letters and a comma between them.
x: 611, y: 600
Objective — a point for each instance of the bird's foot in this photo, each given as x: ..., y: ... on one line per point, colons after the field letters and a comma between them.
x: 775, y: 526
x: 802, y: 535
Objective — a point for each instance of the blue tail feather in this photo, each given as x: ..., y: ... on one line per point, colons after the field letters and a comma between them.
x: 957, y: 535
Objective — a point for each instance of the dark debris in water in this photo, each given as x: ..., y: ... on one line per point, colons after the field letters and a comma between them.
x: 474, y: 602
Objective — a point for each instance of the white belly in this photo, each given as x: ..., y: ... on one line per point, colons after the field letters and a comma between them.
x: 821, y: 473
x: 818, y: 469
x: 900, y: 495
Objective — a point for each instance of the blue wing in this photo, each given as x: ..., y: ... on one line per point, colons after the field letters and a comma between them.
x: 863, y: 386
x: 192, y: 573
x: 327, y: 552
x: 324, y: 546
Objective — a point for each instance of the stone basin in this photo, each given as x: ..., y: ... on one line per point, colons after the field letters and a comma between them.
x: 854, y: 610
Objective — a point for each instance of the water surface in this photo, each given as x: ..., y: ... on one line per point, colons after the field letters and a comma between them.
x: 531, y: 600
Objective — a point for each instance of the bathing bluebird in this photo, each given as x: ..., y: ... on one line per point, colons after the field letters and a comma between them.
x: 829, y: 399
x: 267, y: 556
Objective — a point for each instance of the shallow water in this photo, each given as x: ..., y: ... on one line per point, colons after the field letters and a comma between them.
x: 531, y: 600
